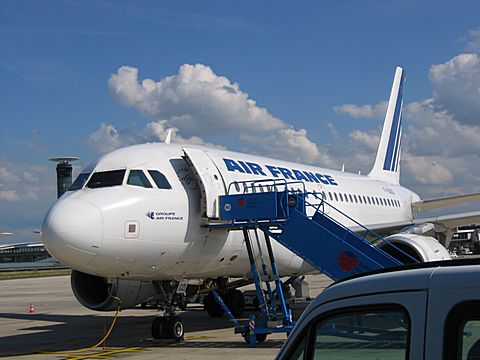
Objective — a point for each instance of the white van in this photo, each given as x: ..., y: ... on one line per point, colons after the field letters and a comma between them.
x: 428, y: 311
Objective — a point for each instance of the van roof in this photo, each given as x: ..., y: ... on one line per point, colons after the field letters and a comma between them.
x: 416, y: 277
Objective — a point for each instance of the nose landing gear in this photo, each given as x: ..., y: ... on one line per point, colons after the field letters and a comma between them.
x: 169, y: 326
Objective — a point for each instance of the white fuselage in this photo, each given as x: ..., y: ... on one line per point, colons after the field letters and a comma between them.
x: 135, y: 232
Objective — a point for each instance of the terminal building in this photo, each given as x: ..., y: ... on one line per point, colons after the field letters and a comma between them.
x: 23, y: 252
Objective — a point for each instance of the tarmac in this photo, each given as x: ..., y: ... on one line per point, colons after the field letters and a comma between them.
x: 60, y: 327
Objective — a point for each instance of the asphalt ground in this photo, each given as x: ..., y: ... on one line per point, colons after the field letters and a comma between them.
x: 60, y: 327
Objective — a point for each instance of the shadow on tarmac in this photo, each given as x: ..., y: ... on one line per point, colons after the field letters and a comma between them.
x: 73, y: 332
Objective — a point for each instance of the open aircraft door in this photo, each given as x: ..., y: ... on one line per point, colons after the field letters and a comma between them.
x: 209, y: 178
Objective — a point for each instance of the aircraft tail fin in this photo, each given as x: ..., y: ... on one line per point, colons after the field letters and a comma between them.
x: 387, y: 162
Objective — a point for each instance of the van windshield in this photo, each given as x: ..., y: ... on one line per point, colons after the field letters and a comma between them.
x: 106, y: 179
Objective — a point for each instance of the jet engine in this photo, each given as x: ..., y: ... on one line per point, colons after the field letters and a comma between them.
x: 96, y: 293
x: 420, y: 247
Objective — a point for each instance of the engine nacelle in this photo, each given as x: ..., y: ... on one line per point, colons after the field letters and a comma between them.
x: 422, y: 248
x: 96, y: 292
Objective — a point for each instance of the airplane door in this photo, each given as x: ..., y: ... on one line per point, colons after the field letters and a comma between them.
x: 209, y: 178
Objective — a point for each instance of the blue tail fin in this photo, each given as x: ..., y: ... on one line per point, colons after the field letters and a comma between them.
x: 387, y: 162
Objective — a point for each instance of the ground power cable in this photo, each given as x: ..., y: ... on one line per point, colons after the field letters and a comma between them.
x: 105, y: 337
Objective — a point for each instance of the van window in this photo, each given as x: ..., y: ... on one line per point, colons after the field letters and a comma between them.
x: 362, y: 334
x: 79, y: 182
x: 462, y: 331
x: 106, y: 179
x: 138, y: 178
x: 160, y: 179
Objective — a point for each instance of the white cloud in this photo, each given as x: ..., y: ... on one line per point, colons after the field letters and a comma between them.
x: 105, y: 139
x: 440, y: 143
x: 363, y: 111
x: 368, y: 140
x: 196, y: 103
x: 7, y: 176
x: 9, y: 195
x: 426, y: 170
x: 457, y: 87
x: 158, y: 130
x: 333, y: 130
x: 433, y: 132
x: 473, y: 40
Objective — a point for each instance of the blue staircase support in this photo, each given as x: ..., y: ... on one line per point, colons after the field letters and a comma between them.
x: 322, y: 241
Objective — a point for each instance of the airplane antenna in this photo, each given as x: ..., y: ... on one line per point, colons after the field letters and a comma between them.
x: 343, y: 167
x: 64, y: 173
x: 169, y: 136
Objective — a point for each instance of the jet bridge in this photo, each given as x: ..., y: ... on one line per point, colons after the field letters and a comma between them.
x: 298, y: 220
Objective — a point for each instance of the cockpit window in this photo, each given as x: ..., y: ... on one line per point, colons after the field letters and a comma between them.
x: 79, y: 182
x: 106, y: 179
x: 160, y: 179
x: 138, y: 178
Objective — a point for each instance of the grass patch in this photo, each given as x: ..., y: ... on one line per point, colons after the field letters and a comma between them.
x: 12, y: 274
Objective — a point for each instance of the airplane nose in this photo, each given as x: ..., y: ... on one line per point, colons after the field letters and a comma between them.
x: 73, y: 231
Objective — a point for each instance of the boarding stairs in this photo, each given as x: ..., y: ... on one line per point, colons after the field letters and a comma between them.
x: 309, y: 226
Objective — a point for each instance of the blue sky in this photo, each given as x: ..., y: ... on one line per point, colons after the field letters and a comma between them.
x: 301, y: 64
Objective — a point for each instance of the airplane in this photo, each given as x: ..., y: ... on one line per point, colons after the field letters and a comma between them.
x: 132, y: 225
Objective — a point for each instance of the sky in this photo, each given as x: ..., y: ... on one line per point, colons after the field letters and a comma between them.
x: 304, y: 81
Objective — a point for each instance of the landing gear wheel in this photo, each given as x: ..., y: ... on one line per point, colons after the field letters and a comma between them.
x: 259, y: 337
x: 235, y: 302
x: 175, y: 328
x: 159, y: 328
x: 212, y: 307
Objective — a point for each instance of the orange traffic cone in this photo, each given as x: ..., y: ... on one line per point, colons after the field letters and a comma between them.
x: 31, y: 310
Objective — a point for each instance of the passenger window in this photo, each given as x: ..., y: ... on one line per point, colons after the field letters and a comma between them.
x: 336, y: 198
x: 462, y: 331
x: 160, y: 179
x: 138, y: 178
x: 351, y: 198
x: 362, y: 334
x: 79, y: 182
x: 103, y: 179
x: 330, y: 194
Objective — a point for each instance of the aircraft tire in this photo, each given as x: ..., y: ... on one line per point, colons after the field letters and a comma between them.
x: 175, y: 328
x: 159, y: 328
x: 212, y: 307
x: 235, y: 302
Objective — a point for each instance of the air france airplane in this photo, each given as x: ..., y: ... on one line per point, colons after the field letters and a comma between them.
x: 131, y: 225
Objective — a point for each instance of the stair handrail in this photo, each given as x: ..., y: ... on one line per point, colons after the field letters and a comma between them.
x: 368, y: 231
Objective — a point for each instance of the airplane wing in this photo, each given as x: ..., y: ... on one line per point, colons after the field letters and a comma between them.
x: 442, y: 223
x: 432, y: 204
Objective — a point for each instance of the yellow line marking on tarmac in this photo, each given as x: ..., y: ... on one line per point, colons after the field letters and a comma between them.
x: 199, y: 337
x: 105, y: 354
